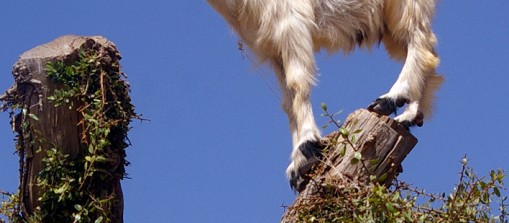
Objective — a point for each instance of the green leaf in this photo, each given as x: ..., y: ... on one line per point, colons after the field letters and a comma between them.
x: 496, y: 191
x: 396, y: 196
x: 468, y: 174
x: 103, y: 143
x: 357, y: 156
x: 100, y: 159
x: 344, y: 132
x: 342, y: 150
x: 78, y: 207
x: 324, y: 107
x: 382, y: 178
x: 482, y: 184
x: 99, y: 219
x: 389, y: 207
x: 485, y: 198
x: 373, y: 162
x: 34, y: 117
x: 408, y: 216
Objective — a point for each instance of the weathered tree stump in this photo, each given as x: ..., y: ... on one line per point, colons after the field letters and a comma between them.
x: 370, y: 147
x: 57, y: 125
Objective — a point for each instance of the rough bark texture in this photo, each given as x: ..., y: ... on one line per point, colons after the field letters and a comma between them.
x: 58, y: 125
x: 381, y: 141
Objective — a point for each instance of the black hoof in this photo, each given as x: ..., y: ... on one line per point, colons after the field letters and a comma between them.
x: 298, y: 182
x: 385, y: 106
x: 312, y: 150
x: 418, y: 121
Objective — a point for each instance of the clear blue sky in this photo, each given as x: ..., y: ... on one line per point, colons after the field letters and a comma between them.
x: 218, y: 143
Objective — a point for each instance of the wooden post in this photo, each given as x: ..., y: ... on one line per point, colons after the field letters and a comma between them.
x: 57, y: 125
x: 379, y: 142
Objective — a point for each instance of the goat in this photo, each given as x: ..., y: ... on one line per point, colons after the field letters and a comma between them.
x: 286, y: 33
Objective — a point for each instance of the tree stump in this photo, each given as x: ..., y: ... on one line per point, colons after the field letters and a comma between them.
x: 369, y: 147
x: 58, y: 125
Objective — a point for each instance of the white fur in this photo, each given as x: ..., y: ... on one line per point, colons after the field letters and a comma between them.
x: 287, y: 32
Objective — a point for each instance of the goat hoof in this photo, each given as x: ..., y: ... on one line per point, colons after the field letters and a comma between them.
x: 298, y: 182
x: 383, y: 106
x: 401, y: 101
x: 312, y: 151
x: 417, y: 121
x: 386, y: 106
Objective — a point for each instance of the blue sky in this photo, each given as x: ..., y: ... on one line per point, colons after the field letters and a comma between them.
x: 218, y: 144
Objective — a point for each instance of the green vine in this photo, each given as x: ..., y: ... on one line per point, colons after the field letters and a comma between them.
x: 73, y: 188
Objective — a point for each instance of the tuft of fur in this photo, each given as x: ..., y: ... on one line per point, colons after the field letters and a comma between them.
x: 286, y: 33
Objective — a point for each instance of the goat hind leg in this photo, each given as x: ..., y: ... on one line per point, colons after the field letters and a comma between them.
x: 406, y: 90
x: 415, y: 86
x: 408, y: 24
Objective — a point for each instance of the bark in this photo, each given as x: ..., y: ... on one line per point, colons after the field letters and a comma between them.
x: 382, y: 143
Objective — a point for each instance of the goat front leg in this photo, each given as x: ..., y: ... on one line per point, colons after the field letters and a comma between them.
x: 295, y: 70
x: 308, y: 147
x: 306, y: 138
